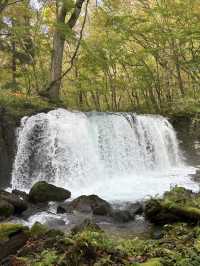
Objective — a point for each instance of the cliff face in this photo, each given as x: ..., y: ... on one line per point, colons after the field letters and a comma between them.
x: 188, y: 133
x: 8, y: 126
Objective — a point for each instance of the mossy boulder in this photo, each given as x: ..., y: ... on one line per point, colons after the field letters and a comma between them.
x: 177, y: 205
x: 12, y: 238
x: 19, y: 204
x: 44, y: 192
x: 38, y: 229
x: 6, y: 209
x: 87, y: 204
x: 9, y: 229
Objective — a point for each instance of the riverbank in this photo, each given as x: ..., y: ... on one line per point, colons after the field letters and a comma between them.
x: 173, y: 242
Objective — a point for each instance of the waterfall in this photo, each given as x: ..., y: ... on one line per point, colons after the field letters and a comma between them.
x: 116, y: 155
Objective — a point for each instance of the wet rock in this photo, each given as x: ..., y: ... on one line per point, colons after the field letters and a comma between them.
x: 6, y: 209
x: 87, y: 204
x: 44, y: 192
x: 122, y: 216
x: 157, y: 233
x: 19, y: 204
x: 87, y: 224
x: 23, y: 195
x: 135, y: 208
x: 128, y: 213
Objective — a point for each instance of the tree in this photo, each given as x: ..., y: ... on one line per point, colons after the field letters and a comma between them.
x: 53, y: 90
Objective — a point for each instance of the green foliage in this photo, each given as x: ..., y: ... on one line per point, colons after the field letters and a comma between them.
x: 19, y: 104
x: 47, y: 258
x: 96, y: 239
x: 152, y: 262
x: 38, y: 229
x: 134, y: 56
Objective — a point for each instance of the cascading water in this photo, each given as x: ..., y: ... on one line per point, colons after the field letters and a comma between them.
x: 119, y: 156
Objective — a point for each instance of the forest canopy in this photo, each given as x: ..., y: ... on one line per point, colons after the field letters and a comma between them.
x: 110, y: 55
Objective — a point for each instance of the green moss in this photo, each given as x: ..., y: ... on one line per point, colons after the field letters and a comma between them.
x: 152, y: 262
x: 38, y: 229
x: 94, y: 238
x: 6, y: 209
x: 7, y: 229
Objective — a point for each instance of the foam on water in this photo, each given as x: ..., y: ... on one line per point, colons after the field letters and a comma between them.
x: 119, y: 156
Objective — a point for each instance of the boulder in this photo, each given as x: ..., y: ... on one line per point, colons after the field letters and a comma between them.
x: 44, y: 192
x: 23, y: 195
x: 158, y: 214
x: 6, y: 209
x: 177, y: 205
x: 19, y: 204
x: 87, y: 204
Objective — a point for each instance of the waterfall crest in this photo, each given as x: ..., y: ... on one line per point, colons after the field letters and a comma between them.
x: 112, y: 154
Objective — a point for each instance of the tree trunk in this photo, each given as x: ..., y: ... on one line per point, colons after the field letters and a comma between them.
x: 57, y: 56
x: 53, y: 92
x: 14, y: 63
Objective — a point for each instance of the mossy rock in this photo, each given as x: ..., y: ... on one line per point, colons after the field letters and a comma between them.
x: 44, y: 192
x: 6, y: 208
x: 177, y: 205
x: 19, y: 204
x: 9, y: 229
x: 38, y: 229
x: 12, y: 238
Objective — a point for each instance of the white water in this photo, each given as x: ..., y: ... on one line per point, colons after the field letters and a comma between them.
x: 117, y: 156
